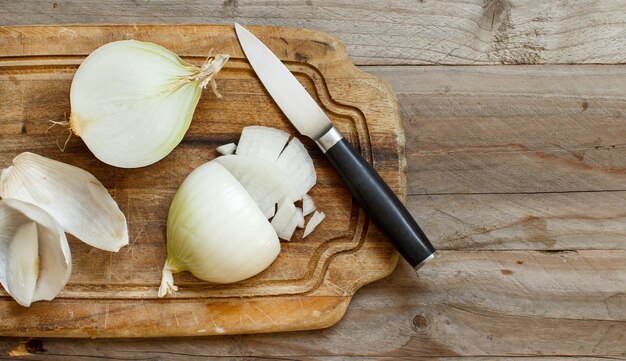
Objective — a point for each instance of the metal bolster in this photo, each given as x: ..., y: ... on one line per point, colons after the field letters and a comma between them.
x: 425, y: 260
x: 330, y: 138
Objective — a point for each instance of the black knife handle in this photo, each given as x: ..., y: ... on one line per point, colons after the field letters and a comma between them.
x: 380, y: 203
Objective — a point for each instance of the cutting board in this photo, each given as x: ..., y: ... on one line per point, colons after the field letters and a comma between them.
x: 310, y: 284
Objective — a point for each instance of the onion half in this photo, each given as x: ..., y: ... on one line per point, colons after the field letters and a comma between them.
x: 132, y: 101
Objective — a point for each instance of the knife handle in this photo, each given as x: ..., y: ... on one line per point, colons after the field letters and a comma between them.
x: 380, y: 203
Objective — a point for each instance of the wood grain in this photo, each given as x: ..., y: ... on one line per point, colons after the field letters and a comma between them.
x: 543, y: 221
x: 388, y: 32
x: 512, y: 129
x: 574, y: 115
x: 496, y: 303
x: 114, y: 295
x: 515, y: 157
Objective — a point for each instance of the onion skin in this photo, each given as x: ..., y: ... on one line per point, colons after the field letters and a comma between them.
x: 52, y: 266
x: 216, y: 231
x: 73, y: 196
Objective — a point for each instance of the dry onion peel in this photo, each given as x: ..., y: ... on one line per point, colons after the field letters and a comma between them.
x: 74, y: 197
x: 35, y: 259
x: 132, y: 101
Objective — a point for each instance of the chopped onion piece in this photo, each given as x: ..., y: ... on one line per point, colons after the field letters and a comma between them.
x: 272, y: 174
x: 73, y: 196
x: 300, y: 218
x: 266, y: 183
x: 226, y: 149
x: 308, y: 206
x: 315, y: 220
x: 296, y: 162
x: 262, y: 142
x: 286, y: 220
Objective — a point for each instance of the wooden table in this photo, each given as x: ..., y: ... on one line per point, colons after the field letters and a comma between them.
x: 517, y: 171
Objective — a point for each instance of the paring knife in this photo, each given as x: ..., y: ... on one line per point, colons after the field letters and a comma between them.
x: 367, y: 187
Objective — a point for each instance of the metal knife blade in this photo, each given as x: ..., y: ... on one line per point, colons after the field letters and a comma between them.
x: 297, y: 104
x: 365, y: 184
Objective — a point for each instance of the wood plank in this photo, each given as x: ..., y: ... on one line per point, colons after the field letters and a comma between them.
x: 512, y: 129
x: 515, y: 157
x: 502, y: 304
x: 388, y: 32
x: 544, y: 221
x: 560, y: 321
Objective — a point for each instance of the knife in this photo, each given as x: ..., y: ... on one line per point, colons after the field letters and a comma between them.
x: 367, y: 187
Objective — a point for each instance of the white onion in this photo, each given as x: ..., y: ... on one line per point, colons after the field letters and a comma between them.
x: 226, y: 149
x: 315, y: 220
x: 308, y: 206
x: 133, y: 101
x: 262, y: 142
x: 300, y: 217
x: 23, y: 263
x: 297, y: 164
x: 264, y: 180
x: 217, y: 225
x: 286, y: 219
x: 216, y: 231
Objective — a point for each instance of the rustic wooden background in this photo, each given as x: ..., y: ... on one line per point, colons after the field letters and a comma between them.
x: 517, y: 171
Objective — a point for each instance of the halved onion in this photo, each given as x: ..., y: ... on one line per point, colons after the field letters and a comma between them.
x: 132, y: 101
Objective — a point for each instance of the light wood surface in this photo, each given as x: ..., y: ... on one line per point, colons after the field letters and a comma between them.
x: 517, y: 174
x: 388, y: 32
x: 515, y: 157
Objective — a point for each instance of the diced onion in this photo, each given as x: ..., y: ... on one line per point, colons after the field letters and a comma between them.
x: 300, y: 218
x: 262, y: 142
x: 286, y: 220
x: 296, y: 162
x: 266, y: 183
x: 226, y: 149
x: 315, y: 220
x: 308, y: 206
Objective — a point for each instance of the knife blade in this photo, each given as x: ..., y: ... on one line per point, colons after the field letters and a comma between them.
x: 365, y: 184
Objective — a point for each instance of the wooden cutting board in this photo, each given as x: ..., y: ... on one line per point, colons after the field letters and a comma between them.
x: 311, y: 283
